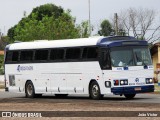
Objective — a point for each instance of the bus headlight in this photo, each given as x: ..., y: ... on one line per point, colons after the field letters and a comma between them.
x: 121, y: 82
x: 124, y: 82
x: 149, y: 80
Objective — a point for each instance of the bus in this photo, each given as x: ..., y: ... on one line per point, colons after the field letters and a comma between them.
x: 94, y: 66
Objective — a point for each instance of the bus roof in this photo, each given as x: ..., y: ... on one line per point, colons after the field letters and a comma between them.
x: 91, y: 41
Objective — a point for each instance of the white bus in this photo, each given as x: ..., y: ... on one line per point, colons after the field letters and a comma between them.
x: 94, y: 66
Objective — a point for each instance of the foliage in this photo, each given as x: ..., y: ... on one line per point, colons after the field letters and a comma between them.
x: 121, y: 32
x: 11, y: 34
x: 106, y: 28
x: 1, y: 64
x: 47, y: 10
x: 84, y: 29
x: 3, y: 42
x: 45, y: 22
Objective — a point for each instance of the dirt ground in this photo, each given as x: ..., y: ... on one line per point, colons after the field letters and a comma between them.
x: 72, y: 104
x: 75, y: 105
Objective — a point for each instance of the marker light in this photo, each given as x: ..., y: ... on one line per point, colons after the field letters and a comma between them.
x: 108, y: 84
x: 116, y: 82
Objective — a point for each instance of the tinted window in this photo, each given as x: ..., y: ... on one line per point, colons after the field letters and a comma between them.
x: 90, y: 52
x: 8, y: 56
x: 15, y: 56
x: 41, y: 55
x: 56, y: 54
x: 26, y: 55
x: 73, y: 53
x: 105, y: 59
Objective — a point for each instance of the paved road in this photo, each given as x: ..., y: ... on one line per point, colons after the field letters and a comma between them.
x: 140, y: 98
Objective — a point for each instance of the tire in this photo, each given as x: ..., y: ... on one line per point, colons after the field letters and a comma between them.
x: 129, y: 96
x: 30, y: 91
x: 94, y: 91
x: 61, y: 95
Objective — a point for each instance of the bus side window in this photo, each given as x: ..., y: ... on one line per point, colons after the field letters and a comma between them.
x: 73, y: 53
x: 15, y: 56
x: 26, y: 55
x: 90, y: 52
x: 41, y: 55
x: 105, y: 61
x: 56, y: 54
x: 8, y: 57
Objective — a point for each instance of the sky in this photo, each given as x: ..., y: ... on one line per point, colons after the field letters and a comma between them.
x: 11, y: 11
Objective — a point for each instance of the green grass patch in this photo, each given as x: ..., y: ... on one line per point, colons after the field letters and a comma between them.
x: 2, y: 86
x: 157, y: 88
x: 1, y: 64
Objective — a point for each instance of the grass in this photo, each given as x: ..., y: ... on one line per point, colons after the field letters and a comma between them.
x: 157, y: 88
x: 1, y: 86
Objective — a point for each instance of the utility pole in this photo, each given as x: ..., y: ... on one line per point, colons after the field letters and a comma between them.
x: 116, y: 23
x: 4, y: 31
x: 89, y: 21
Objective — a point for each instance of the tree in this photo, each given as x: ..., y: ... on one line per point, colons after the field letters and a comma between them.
x: 3, y: 42
x: 45, y: 22
x: 1, y: 64
x: 138, y: 22
x: 106, y: 28
x: 47, y: 10
x: 84, y: 29
x: 10, y: 33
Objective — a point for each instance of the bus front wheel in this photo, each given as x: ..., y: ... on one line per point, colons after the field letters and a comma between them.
x: 129, y: 96
x: 94, y: 91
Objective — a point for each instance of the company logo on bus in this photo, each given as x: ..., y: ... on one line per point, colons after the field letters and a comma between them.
x: 24, y: 68
x: 136, y: 80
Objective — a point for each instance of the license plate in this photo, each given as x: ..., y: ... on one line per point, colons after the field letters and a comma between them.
x: 137, y: 88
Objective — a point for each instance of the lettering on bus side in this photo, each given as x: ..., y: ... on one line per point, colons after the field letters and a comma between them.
x: 24, y: 68
x: 119, y: 68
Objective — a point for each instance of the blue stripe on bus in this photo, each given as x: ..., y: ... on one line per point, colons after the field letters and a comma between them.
x: 131, y: 90
x: 106, y: 42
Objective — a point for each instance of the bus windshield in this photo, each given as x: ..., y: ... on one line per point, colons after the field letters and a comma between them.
x: 130, y: 56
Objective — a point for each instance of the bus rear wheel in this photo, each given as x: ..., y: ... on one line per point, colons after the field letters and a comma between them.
x: 94, y: 91
x: 129, y: 96
x: 30, y: 91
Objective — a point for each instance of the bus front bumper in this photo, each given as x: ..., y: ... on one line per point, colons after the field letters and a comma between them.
x: 132, y: 89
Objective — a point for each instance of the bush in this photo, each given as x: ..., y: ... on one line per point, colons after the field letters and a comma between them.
x: 1, y: 64
x: 1, y: 71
